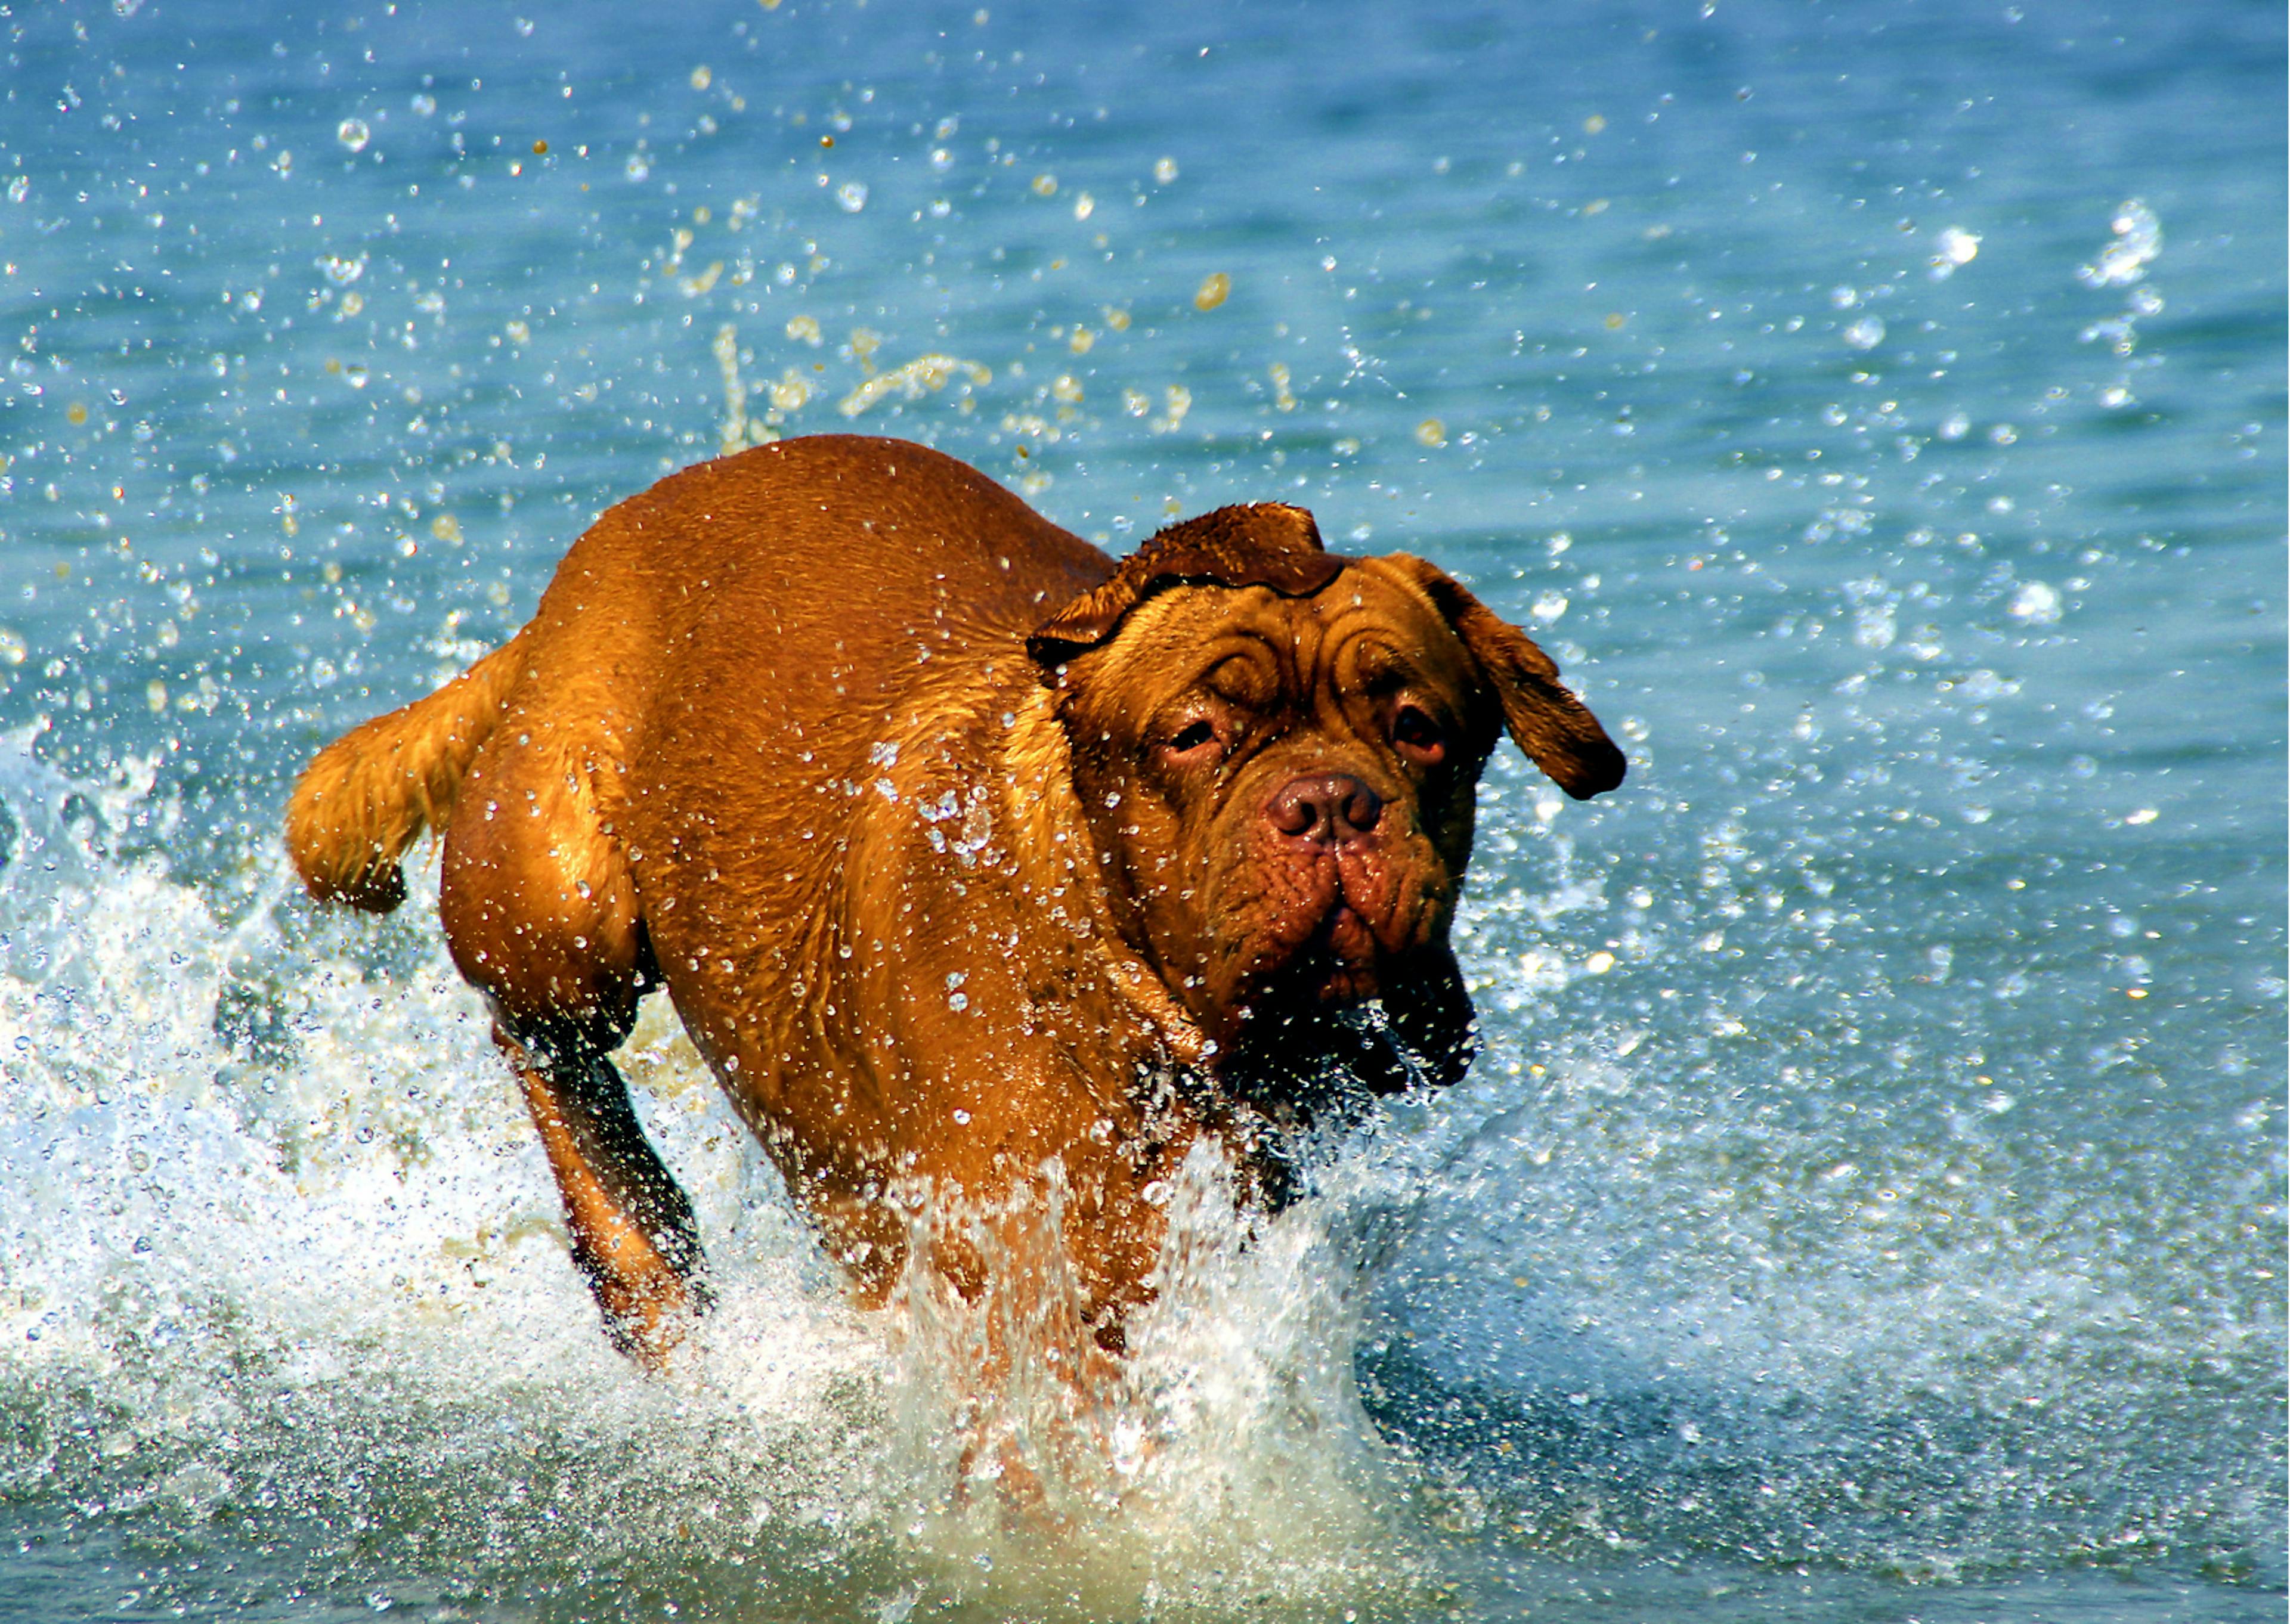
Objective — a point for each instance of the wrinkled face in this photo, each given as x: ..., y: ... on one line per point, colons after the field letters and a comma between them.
x: 1283, y: 789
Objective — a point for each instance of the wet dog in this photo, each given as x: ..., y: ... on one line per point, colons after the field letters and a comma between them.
x: 984, y: 870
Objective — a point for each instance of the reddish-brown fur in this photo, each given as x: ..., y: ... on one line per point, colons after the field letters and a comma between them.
x: 879, y: 773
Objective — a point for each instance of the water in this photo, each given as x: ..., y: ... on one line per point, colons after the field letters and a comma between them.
x: 1869, y: 1204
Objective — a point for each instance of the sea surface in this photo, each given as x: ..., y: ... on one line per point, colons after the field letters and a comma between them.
x: 1870, y: 1202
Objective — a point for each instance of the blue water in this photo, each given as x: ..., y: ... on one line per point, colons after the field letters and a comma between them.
x: 1870, y: 1203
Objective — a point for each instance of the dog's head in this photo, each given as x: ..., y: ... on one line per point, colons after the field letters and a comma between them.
x: 1277, y: 751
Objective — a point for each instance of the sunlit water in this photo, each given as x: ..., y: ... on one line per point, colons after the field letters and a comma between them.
x: 1870, y: 1202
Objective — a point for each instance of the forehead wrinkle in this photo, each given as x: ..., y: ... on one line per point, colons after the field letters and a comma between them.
x: 1305, y: 645
x: 1236, y: 642
x: 1363, y: 637
x: 1239, y: 620
x: 1172, y: 643
x: 1402, y: 640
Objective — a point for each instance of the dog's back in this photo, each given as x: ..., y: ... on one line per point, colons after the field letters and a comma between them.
x: 817, y: 575
x: 793, y: 617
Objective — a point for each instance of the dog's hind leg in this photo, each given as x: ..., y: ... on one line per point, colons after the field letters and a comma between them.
x: 541, y: 914
x: 633, y: 1234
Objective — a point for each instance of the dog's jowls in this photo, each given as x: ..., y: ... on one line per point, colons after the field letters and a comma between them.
x: 977, y: 865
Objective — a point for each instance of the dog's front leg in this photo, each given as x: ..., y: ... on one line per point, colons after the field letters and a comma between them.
x: 633, y: 1233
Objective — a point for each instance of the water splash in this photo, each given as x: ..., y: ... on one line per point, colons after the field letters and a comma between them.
x: 282, y: 1264
x: 283, y: 1270
x: 2138, y: 239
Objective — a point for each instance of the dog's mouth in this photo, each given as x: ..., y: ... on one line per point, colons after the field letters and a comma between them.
x: 1315, y: 1049
x: 1328, y: 958
x: 1343, y: 1003
x: 1320, y: 930
x: 1338, y: 962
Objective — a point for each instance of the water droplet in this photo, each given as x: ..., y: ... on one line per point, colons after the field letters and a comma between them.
x: 2138, y: 239
x: 353, y: 133
x: 1952, y: 246
x: 2036, y: 603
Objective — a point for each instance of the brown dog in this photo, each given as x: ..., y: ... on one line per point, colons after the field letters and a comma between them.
x: 980, y: 869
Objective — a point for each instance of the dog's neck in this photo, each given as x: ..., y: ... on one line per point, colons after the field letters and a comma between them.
x: 1056, y: 854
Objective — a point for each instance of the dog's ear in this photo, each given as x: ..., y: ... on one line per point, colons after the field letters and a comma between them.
x: 1556, y: 730
x: 1260, y: 544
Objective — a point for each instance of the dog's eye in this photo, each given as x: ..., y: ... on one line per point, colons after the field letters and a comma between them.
x: 1418, y: 736
x: 1193, y: 736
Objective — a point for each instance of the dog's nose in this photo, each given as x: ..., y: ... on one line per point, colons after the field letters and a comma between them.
x: 1325, y: 808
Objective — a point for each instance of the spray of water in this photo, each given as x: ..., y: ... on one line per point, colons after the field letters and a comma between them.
x: 283, y: 1277
x: 283, y: 1265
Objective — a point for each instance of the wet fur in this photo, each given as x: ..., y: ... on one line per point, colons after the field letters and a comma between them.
x: 826, y: 738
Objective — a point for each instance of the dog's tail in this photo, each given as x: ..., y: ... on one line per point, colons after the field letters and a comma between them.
x: 357, y: 807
